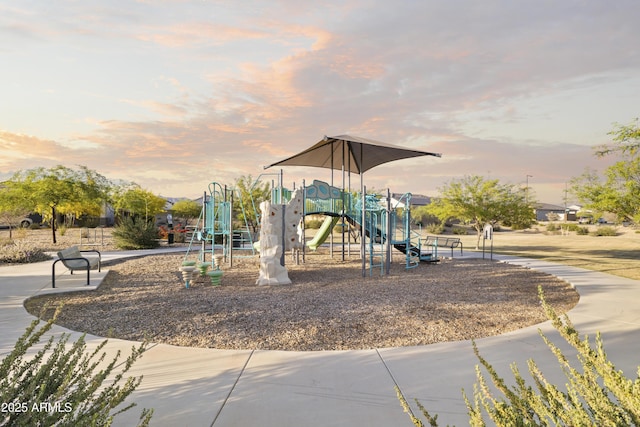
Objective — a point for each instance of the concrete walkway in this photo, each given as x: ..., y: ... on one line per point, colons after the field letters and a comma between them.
x: 208, y: 387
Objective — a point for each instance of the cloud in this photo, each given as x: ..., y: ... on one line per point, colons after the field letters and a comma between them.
x: 176, y: 94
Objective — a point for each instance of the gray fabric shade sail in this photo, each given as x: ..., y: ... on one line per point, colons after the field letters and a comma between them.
x: 350, y: 153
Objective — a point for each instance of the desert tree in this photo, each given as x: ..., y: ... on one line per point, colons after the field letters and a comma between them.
x: 247, y: 198
x: 57, y: 190
x: 131, y: 199
x: 618, y: 190
x: 187, y: 209
x: 480, y: 201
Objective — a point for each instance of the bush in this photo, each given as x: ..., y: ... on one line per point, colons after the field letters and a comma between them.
x: 582, y: 231
x: 597, y: 393
x: 136, y: 234
x: 552, y: 227
x: 605, y: 231
x: 19, y: 252
x: 61, y: 385
x: 459, y: 231
x: 570, y: 227
x: 434, y: 228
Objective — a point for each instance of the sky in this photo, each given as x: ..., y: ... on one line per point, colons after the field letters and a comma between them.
x: 176, y: 94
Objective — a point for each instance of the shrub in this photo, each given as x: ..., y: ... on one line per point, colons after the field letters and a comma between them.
x: 136, y: 234
x: 20, y: 252
x: 552, y: 227
x: 605, y: 231
x: 570, y: 227
x: 582, y: 231
x: 597, y: 393
x: 459, y: 230
x: 60, y: 384
x: 434, y: 228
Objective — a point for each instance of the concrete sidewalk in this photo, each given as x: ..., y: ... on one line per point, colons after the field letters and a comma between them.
x: 208, y: 387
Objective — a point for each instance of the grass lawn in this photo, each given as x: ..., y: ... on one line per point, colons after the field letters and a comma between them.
x: 618, y: 255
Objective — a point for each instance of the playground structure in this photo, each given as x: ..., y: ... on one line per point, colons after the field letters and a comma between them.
x: 214, y: 233
x: 379, y: 226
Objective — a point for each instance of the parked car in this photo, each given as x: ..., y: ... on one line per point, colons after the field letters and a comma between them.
x: 27, y: 221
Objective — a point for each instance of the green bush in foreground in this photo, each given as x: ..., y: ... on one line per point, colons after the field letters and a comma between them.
x: 597, y: 393
x: 136, y: 234
x: 62, y: 385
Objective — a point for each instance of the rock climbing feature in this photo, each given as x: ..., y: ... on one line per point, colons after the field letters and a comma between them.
x: 278, y: 234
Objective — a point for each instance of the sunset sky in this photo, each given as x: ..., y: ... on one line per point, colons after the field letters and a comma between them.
x: 176, y: 94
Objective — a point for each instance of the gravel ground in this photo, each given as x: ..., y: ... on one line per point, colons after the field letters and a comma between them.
x: 329, y: 306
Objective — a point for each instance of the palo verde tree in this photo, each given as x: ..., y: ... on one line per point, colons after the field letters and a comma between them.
x: 618, y: 191
x: 187, y: 209
x: 58, y: 190
x: 11, y: 210
x: 251, y: 194
x: 129, y: 199
x: 478, y: 201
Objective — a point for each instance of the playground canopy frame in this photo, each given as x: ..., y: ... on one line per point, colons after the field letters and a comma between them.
x: 350, y: 154
x: 353, y: 154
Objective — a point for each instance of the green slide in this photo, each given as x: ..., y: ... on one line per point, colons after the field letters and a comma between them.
x: 323, y: 232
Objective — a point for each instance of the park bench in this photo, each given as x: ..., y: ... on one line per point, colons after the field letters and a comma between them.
x: 443, y: 242
x: 73, y: 259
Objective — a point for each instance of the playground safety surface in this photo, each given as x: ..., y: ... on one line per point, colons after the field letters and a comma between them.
x: 330, y: 306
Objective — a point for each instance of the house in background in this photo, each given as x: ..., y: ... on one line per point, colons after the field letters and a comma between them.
x: 569, y: 213
x: 416, y: 200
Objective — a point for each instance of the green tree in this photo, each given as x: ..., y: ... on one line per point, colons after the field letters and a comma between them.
x: 477, y: 201
x: 131, y: 199
x: 626, y: 140
x: 247, y: 205
x: 420, y: 215
x: 11, y: 213
x: 618, y: 191
x: 187, y: 209
x: 58, y: 190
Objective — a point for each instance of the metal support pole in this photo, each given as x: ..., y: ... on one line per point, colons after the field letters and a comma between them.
x: 389, y: 235
x: 363, y: 232
x: 283, y: 210
x: 304, y: 215
x: 231, y: 228
x: 204, y: 226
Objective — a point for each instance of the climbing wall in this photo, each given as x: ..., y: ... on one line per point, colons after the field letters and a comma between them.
x: 274, y: 239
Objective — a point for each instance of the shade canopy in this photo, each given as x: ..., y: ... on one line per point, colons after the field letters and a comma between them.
x: 350, y: 153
